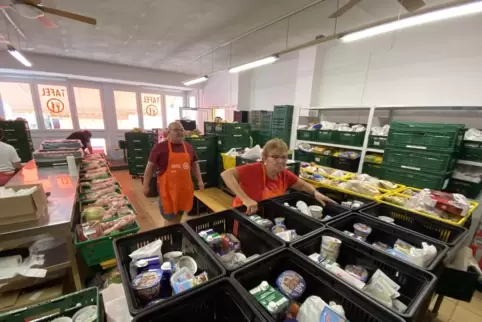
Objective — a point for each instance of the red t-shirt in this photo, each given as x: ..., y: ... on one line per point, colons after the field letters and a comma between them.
x: 160, y: 154
x: 252, y: 183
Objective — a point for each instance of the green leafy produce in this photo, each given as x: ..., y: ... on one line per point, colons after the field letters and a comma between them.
x: 92, y: 214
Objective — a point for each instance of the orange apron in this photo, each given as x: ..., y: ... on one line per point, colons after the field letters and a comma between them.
x: 176, y: 189
x: 267, y: 193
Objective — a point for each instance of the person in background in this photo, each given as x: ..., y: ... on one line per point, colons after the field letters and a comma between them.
x: 9, y: 161
x: 84, y: 137
x: 174, y: 160
x: 267, y: 179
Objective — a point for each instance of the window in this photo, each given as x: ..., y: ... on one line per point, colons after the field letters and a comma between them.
x: 54, y: 102
x: 89, y: 108
x: 220, y: 112
x: 98, y: 145
x: 151, y: 111
x: 173, y: 107
x: 192, y: 101
x: 17, y: 102
x: 126, y: 110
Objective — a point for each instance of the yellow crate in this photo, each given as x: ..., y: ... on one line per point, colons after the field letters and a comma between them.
x: 348, y: 191
x: 314, y: 183
x: 461, y: 222
x: 228, y: 161
x: 347, y: 175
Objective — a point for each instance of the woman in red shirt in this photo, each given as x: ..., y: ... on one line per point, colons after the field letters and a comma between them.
x: 267, y: 179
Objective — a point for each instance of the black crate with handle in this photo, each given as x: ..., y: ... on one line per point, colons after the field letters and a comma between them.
x: 388, y: 234
x: 304, y: 225
x: 254, y: 239
x: 416, y: 285
x: 174, y: 238
x: 220, y: 301
x: 357, y: 307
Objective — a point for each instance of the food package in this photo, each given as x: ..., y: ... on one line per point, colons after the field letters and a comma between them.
x: 473, y: 135
x: 382, y: 288
x: 149, y: 250
x: 452, y: 203
x: 117, y: 224
x: 344, y: 275
x: 364, y: 188
x: 330, y: 247
x: 99, y: 193
x: 89, y: 231
x: 396, y: 200
x: 291, y: 284
x: 92, y: 214
x: 422, y: 256
x: 312, y: 308
x: 470, y: 173
x: 253, y: 153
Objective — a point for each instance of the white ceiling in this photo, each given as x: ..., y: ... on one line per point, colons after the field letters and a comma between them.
x: 169, y: 34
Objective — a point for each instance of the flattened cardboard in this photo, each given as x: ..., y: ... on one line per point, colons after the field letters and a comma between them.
x: 23, y: 208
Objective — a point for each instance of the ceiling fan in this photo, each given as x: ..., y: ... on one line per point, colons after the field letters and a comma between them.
x: 409, y: 5
x: 33, y: 9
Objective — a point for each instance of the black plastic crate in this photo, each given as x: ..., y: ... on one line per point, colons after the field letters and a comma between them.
x: 304, y: 156
x: 340, y: 197
x: 416, y: 285
x: 330, y: 209
x: 254, y: 239
x: 350, y: 165
x: 174, y: 238
x: 377, y: 141
x: 304, y: 225
x: 219, y: 301
x: 438, y: 230
x: 357, y: 307
x: 389, y: 233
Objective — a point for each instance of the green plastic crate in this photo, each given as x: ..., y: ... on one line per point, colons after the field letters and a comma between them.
x: 204, y: 142
x: 373, y: 169
x: 294, y: 167
x: 66, y: 305
x: 238, y: 141
x: 348, y: 138
x: 243, y: 161
x: 426, y: 136
x: 469, y: 189
x: 101, y: 249
x: 232, y: 128
x: 304, y: 156
x: 472, y: 151
x: 420, y: 160
x: 209, y: 127
x: 323, y: 136
x: 417, y: 179
x: 377, y: 141
x: 305, y: 135
x: 321, y: 159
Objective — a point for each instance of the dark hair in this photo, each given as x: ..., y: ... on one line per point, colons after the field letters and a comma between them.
x: 89, y: 134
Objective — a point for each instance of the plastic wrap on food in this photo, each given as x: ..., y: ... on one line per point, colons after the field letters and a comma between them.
x: 97, y: 194
x: 57, y: 154
x: 60, y: 144
x: 380, y: 131
x: 473, y: 135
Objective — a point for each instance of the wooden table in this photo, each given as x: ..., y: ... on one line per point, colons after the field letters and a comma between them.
x: 215, y: 199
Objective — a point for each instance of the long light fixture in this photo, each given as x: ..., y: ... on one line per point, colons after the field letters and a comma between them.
x: 195, y: 81
x: 254, y: 64
x: 417, y: 20
x: 18, y: 56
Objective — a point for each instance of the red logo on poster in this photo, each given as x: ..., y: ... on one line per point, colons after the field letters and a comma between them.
x: 151, y: 110
x: 55, y: 105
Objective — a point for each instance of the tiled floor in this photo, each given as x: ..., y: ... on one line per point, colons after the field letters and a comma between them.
x: 149, y: 218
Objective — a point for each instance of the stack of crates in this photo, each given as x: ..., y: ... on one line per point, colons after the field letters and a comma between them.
x: 206, y: 151
x: 282, y: 120
x: 17, y: 134
x: 255, y: 121
x: 266, y: 127
x: 422, y: 155
x: 139, y: 146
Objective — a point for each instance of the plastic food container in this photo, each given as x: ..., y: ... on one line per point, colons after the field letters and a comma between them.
x: 362, y: 230
x: 86, y: 314
x: 147, y: 284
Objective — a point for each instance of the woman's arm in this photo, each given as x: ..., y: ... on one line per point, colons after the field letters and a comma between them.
x: 304, y: 186
x: 231, y: 179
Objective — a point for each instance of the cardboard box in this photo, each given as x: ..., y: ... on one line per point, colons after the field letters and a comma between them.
x: 23, y: 208
x: 447, y: 202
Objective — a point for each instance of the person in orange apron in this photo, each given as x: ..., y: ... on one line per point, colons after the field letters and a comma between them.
x: 267, y: 179
x: 174, y: 159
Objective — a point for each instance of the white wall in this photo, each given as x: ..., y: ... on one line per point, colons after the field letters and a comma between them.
x: 221, y: 89
x: 437, y: 64
x: 274, y: 84
x: 93, y: 71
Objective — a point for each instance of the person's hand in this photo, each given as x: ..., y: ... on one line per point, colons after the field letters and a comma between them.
x: 322, y: 198
x: 146, y: 191
x: 201, y: 186
x: 251, y: 206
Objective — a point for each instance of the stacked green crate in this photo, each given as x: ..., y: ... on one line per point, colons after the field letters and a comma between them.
x: 282, y: 121
x: 139, y: 146
x: 206, y: 151
x: 422, y: 155
x: 266, y: 127
x: 17, y: 134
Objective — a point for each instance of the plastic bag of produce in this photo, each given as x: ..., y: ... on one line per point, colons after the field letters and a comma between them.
x: 92, y: 214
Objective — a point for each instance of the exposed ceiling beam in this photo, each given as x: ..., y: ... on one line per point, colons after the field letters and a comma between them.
x: 17, y: 28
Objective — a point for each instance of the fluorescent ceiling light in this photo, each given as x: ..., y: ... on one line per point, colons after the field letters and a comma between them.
x: 18, y: 56
x: 417, y: 20
x: 254, y: 64
x: 195, y: 81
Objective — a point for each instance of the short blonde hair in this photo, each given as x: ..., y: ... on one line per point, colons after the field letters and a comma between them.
x: 274, y: 145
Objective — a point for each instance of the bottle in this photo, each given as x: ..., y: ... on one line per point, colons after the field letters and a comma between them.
x: 166, y: 290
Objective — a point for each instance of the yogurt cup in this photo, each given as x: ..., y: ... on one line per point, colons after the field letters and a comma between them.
x: 86, y: 314
x: 316, y: 211
x: 362, y: 230
x: 146, y: 285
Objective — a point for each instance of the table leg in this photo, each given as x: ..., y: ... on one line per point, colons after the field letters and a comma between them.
x: 73, y: 263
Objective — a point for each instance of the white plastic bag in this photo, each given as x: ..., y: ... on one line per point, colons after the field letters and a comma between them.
x: 253, y: 154
x: 422, y: 256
